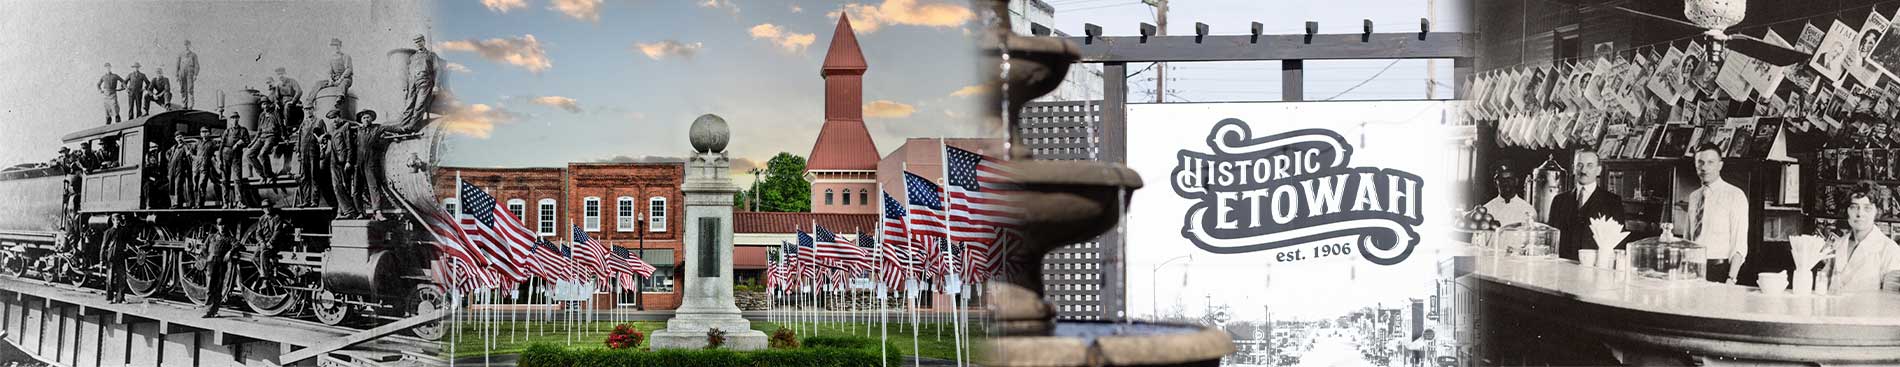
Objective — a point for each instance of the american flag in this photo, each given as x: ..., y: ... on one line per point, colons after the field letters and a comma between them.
x: 785, y: 266
x: 979, y: 207
x: 896, y: 262
x: 625, y: 265
x: 839, y: 252
x: 504, y: 239
x: 554, y: 262
x: 977, y: 187
x: 807, y: 262
x: 925, y: 217
x: 590, y: 253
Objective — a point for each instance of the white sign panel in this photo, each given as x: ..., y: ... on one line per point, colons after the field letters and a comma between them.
x: 1339, y: 197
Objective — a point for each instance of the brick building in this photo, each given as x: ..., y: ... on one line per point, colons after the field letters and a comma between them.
x: 637, y: 206
x: 843, y: 162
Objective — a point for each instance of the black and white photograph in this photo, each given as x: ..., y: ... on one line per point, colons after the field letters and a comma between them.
x: 1751, y: 229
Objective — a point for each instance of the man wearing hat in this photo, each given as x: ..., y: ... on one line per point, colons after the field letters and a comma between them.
x: 1509, y: 206
x: 310, y: 164
x: 421, y: 87
x: 178, y: 166
x: 204, y: 167
x: 135, y: 92
x: 109, y: 87
x: 341, y: 70
x: 369, y: 164
x: 270, y: 118
x: 118, y: 242
x: 341, y: 151
x: 285, y: 91
x: 187, y: 74
x: 236, y: 138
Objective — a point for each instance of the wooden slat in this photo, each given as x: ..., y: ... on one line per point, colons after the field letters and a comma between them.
x: 367, y: 335
x: 1437, y: 45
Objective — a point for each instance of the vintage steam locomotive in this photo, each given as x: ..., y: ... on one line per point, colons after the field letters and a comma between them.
x: 340, y: 271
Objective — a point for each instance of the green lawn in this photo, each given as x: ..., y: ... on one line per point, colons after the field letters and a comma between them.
x: 510, y: 337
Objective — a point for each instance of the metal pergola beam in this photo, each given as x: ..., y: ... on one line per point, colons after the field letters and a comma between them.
x: 1137, y: 49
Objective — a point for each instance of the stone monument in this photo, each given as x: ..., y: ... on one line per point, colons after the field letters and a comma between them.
x: 708, y: 301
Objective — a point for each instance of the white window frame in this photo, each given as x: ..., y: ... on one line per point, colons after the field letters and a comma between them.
x: 828, y: 197
x: 453, y: 206
x: 590, y: 213
x: 519, y: 208
x: 656, y: 214
x: 544, y: 216
x: 624, y: 214
x: 847, y: 196
x: 864, y: 197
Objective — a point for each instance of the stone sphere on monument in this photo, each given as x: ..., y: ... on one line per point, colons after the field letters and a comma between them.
x: 709, y: 134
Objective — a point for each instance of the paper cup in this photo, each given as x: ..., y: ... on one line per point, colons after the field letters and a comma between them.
x: 1772, y: 283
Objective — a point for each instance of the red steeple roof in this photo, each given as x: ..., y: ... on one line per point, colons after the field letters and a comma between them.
x: 844, y: 55
x: 843, y: 143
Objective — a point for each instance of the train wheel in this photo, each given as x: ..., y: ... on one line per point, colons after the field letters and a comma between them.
x: 329, y: 307
x: 428, y: 300
x: 192, y: 270
x: 145, y: 265
x: 268, y: 294
x: 75, y: 274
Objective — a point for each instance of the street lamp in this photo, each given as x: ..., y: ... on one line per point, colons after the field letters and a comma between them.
x: 639, y: 286
x: 1154, y: 281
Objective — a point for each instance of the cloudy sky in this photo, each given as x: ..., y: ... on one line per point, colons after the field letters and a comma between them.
x: 543, y: 83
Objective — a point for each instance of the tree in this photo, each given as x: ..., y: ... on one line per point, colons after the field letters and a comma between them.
x: 783, y: 188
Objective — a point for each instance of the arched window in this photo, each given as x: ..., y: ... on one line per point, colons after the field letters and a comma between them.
x: 544, y: 216
x: 452, y: 206
x: 864, y: 197
x: 623, y: 214
x: 519, y: 209
x: 827, y: 196
x: 656, y: 214
x: 590, y: 213
x: 847, y: 196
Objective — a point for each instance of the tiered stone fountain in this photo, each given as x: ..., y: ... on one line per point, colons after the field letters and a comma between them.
x: 1064, y: 202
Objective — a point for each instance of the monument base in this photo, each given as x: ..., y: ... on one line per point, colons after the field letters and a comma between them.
x: 688, y: 331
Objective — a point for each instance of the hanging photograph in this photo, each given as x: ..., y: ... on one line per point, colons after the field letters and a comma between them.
x: 1835, y: 51
x: 1871, y: 33
x: 1666, y: 75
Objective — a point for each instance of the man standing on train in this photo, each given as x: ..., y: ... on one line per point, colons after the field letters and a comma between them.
x: 204, y: 168
x: 118, y: 240
x: 135, y: 93
x: 187, y: 74
x: 109, y: 87
x: 218, y: 251
x: 341, y: 151
x: 236, y: 138
x: 265, y: 142
x: 178, y: 166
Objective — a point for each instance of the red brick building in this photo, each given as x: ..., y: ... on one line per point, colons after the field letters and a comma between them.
x: 637, y: 206
x: 842, y: 166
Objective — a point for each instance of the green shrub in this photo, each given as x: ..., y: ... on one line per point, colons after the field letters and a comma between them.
x: 818, y: 351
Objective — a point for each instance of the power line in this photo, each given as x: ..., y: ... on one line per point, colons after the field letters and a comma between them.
x: 1368, y: 80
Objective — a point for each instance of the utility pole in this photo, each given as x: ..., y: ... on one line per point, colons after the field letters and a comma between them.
x: 754, y: 196
x: 1161, y: 29
x: 1431, y: 65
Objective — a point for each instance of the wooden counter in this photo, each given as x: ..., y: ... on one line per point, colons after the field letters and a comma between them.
x: 1642, y: 321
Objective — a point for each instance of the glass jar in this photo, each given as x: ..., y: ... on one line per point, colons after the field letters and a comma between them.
x: 1668, y: 258
x: 1530, y: 239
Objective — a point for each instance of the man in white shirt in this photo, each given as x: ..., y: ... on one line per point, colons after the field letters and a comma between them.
x: 1509, y: 206
x: 1718, y: 218
x: 1867, y: 254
